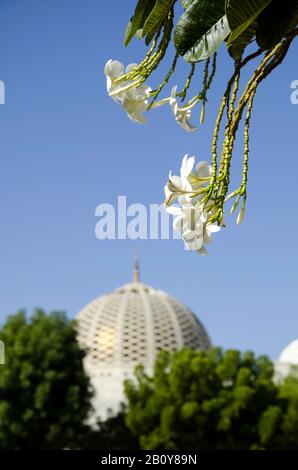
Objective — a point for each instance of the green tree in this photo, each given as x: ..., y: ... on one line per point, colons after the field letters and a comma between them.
x: 214, y: 400
x: 44, y: 391
x: 289, y: 392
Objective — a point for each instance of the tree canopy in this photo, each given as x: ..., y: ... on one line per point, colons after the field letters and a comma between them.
x: 44, y: 391
x: 215, y: 400
x: 195, y: 399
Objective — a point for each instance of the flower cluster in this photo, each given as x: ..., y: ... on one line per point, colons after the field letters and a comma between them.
x: 200, y: 196
x: 191, y: 214
x: 182, y: 114
x: 133, y: 98
x: 201, y: 193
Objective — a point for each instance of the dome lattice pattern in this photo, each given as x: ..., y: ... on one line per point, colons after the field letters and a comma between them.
x: 133, y: 323
x: 127, y: 327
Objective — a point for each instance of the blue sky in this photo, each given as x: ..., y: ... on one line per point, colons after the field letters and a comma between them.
x: 66, y: 147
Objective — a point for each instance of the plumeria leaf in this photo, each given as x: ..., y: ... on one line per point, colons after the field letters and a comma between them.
x: 241, y: 13
x: 210, y: 42
x: 195, y: 22
x: 157, y: 16
x: 136, y: 23
x: 128, y: 35
x: 238, y: 46
x: 275, y: 21
x: 149, y: 36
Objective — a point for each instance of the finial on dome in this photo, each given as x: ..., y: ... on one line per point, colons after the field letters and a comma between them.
x: 136, y: 270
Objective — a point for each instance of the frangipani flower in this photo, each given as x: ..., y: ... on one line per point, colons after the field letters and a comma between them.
x: 135, y: 102
x: 113, y: 70
x: 134, y: 99
x: 192, y: 221
x: 182, y: 115
x: 188, y: 182
x: 208, y: 228
x: 191, y: 216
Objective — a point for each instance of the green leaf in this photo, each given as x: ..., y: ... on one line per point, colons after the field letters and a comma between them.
x: 157, y: 15
x: 195, y: 22
x: 275, y: 21
x: 128, y: 35
x: 210, y: 42
x: 142, y: 11
x: 149, y: 36
x: 241, y: 13
x: 238, y: 46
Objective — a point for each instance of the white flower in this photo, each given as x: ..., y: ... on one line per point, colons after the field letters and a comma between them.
x: 134, y: 99
x: 179, y: 185
x: 113, y: 70
x: 188, y: 182
x: 192, y: 220
x: 135, y: 102
x: 191, y: 216
x: 208, y: 228
x: 182, y: 115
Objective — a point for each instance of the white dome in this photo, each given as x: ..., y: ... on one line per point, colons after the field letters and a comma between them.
x: 128, y: 327
x: 290, y: 353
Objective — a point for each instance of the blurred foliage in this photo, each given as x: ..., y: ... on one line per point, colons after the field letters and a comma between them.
x: 289, y: 392
x: 44, y: 391
x: 214, y: 400
x: 195, y: 399
x: 45, y: 395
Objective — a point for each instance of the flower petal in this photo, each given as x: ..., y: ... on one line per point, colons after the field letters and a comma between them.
x: 184, y: 200
x: 176, y: 181
x: 203, y: 170
x: 187, y: 166
x: 178, y: 223
x: 174, y: 210
x: 186, y: 125
x: 114, y: 69
x: 213, y: 228
x: 174, y: 105
x: 130, y: 67
x: 174, y: 91
x: 137, y: 118
x: 142, y: 91
x: 202, y: 250
x: 192, y: 241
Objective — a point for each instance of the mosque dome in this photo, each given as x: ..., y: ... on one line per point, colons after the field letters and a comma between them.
x: 129, y: 326
x: 287, y: 359
x: 290, y: 354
